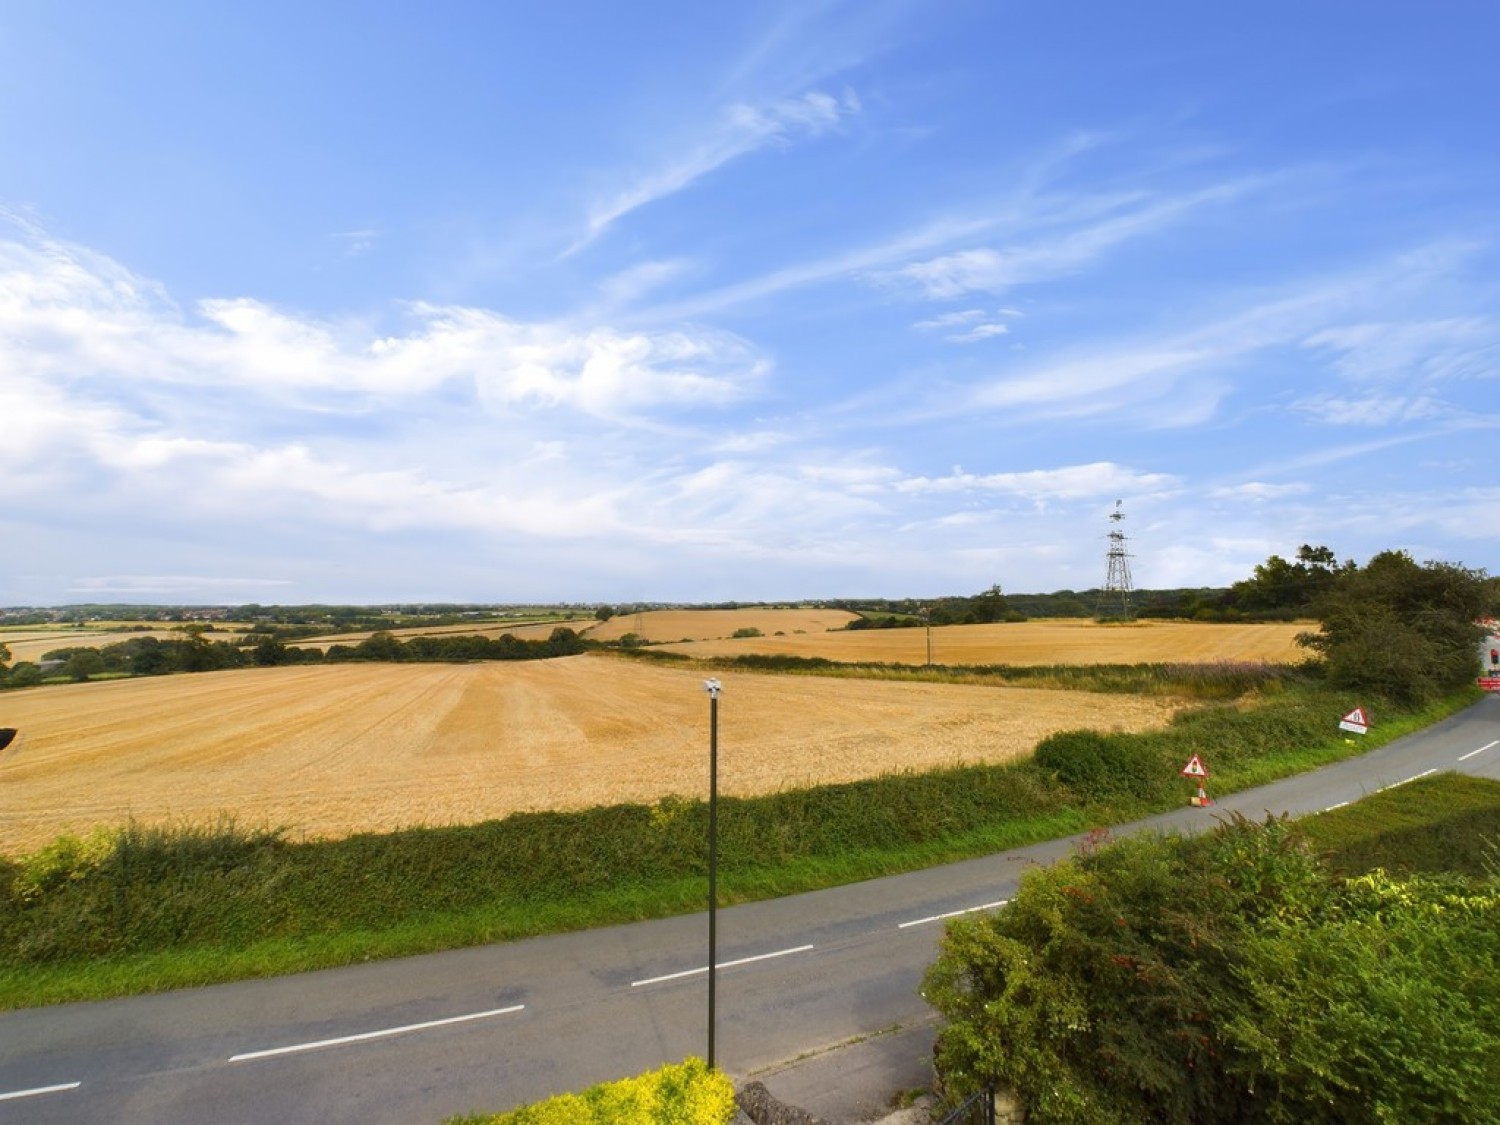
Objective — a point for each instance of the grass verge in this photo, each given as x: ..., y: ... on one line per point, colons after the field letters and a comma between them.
x: 1448, y: 823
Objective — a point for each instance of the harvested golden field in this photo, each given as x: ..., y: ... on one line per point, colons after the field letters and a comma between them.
x: 329, y: 750
x: 523, y: 631
x: 660, y: 625
x: 1032, y: 642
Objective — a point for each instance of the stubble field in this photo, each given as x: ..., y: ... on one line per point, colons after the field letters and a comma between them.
x: 329, y: 750
x: 1027, y: 643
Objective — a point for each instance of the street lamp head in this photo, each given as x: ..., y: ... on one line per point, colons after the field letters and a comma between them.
x: 712, y: 687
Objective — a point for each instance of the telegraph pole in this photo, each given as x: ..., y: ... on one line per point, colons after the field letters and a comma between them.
x: 713, y: 688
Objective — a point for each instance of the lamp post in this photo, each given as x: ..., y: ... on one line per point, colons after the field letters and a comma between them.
x: 713, y: 688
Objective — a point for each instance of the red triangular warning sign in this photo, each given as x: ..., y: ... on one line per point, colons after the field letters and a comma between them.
x: 1356, y: 721
x: 1194, y: 768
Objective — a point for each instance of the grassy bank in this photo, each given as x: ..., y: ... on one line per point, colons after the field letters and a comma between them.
x: 148, y: 909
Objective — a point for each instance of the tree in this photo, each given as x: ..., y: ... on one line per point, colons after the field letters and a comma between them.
x: 1281, y: 588
x: 149, y: 657
x: 381, y: 645
x: 989, y: 606
x: 1405, y: 631
x: 83, y: 664
x: 24, y: 674
x: 270, y: 652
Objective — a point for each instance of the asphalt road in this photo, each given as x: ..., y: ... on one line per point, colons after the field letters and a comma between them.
x: 485, y: 1029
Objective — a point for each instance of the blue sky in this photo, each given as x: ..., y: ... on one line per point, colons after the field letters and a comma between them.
x: 591, y: 301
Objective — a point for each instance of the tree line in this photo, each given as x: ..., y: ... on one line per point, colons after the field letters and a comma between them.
x: 194, y: 652
x: 1404, y: 630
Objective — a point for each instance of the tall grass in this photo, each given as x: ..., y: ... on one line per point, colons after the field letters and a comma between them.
x: 151, y: 907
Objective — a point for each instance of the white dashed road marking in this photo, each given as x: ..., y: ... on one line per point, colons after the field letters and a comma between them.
x: 720, y: 965
x: 952, y: 914
x: 381, y: 1034
x: 38, y: 1090
x: 1481, y: 750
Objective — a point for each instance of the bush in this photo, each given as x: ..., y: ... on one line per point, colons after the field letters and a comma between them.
x: 688, y: 1093
x: 1102, y: 767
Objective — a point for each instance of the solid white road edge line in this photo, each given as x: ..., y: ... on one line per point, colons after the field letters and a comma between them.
x: 382, y: 1034
x: 39, y: 1090
x: 1481, y: 750
x: 721, y: 965
x: 1340, y: 805
x: 953, y: 914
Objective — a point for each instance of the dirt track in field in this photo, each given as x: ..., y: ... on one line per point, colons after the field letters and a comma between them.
x: 329, y: 750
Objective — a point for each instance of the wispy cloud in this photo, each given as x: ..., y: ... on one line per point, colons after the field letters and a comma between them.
x: 741, y: 130
x: 1064, y: 251
x: 1065, y: 231
x: 1197, y: 366
x: 1072, y: 482
x: 172, y: 585
x: 968, y: 326
x: 357, y: 242
x: 1434, y: 350
x: 1256, y: 490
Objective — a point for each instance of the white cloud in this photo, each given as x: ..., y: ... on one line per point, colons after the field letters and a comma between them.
x: 68, y: 318
x: 116, y: 401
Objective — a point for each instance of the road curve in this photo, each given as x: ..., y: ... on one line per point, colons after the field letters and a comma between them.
x: 416, y: 1039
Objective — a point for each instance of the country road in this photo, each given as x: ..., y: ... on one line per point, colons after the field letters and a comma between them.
x: 416, y: 1039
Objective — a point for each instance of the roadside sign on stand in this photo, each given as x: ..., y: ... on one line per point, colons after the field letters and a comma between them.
x: 1199, y: 773
x: 1356, y: 721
